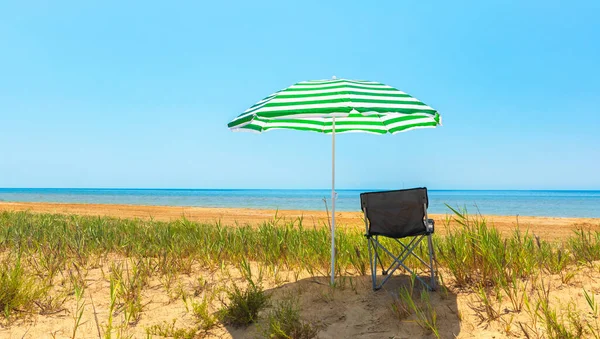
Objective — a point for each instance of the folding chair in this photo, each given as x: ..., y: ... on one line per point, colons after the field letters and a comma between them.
x: 398, y: 214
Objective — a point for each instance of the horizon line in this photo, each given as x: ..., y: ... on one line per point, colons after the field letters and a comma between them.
x: 291, y: 189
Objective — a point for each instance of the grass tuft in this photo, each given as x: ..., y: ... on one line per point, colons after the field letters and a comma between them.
x: 244, y: 305
x: 284, y: 322
x: 169, y: 330
x: 201, y: 312
x: 18, y: 291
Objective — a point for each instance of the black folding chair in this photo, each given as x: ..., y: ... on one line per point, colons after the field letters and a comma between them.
x: 398, y: 214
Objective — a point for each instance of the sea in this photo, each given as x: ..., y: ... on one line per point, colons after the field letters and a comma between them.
x: 557, y: 203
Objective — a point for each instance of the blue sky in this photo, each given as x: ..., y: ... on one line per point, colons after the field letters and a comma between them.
x: 138, y: 94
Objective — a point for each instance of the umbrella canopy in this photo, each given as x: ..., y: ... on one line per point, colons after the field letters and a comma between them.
x: 337, y: 106
x: 358, y: 106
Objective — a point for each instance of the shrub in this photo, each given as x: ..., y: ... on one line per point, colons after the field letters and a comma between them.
x: 244, y: 305
x: 284, y: 322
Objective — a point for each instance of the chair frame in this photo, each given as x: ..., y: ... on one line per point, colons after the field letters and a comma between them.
x: 374, y: 245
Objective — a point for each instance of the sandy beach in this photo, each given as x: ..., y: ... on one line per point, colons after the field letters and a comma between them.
x: 546, y: 227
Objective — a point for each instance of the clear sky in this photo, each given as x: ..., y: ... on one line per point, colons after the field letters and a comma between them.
x: 138, y: 94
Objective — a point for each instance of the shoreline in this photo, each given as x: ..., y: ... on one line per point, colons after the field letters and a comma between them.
x: 546, y: 227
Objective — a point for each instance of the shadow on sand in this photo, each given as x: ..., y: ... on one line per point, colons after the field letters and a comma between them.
x: 354, y: 310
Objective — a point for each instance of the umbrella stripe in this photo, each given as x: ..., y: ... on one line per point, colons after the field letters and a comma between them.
x: 405, y: 128
x: 319, y: 112
x: 338, y: 97
x: 330, y: 81
x: 340, y: 85
x: 358, y: 128
x: 346, y: 106
x: 303, y: 128
x: 270, y: 97
x: 342, y: 99
x: 337, y: 130
x: 378, y: 126
x: 335, y: 105
x: 382, y: 121
x: 336, y: 89
x: 292, y: 95
x: 253, y: 127
x: 259, y: 104
x: 337, y: 81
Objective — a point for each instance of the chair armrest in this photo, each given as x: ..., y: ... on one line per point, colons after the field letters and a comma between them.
x: 430, y: 225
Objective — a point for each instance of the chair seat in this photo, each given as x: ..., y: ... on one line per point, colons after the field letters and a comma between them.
x: 429, y: 229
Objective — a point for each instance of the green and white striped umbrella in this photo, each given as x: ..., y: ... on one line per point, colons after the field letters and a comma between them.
x: 358, y: 106
x: 337, y: 106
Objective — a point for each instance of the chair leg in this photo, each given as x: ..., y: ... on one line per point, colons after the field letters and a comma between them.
x: 373, y: 262
x: 399, y: 262
x: 383, y: 270
x: 413, y: 253
x: 431, y: 267
x: 408, y: 250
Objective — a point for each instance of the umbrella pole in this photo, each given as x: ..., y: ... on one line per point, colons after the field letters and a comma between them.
x: 333, y: 201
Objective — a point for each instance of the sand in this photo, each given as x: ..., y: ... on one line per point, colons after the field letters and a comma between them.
x: 352, y: 310
x: 551, y: 228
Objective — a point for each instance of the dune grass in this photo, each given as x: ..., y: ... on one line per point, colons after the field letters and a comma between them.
x: 284, y: 322
x: 18, y: 290
x: 37, y: 250
x: 474, y: 253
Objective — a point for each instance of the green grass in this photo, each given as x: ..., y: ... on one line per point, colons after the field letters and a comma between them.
x: 474, y: 253
x: 477, y: 254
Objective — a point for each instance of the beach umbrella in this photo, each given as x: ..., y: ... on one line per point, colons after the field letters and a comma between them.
x: 337, y: 106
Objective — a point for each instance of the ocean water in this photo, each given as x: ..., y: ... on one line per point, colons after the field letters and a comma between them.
x: 530, y: 203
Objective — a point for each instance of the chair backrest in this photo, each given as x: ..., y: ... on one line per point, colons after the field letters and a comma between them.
x: 396, y: 214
